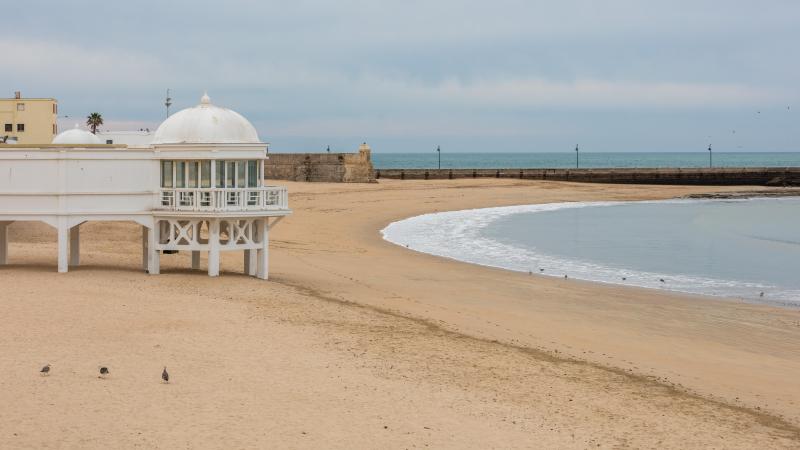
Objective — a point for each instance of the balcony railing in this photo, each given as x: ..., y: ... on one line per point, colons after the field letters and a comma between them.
x: 267, y: 198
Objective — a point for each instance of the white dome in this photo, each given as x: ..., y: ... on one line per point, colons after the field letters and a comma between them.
x: 76, y: 136
x: 206, y: 124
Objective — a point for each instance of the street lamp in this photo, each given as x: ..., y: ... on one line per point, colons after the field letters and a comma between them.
x: 168, y: 102
x: 577, y: 160
x: 709, y: 156
x: 439, y: 152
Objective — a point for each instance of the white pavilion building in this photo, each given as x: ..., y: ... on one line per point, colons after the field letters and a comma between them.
x: 197, y: 187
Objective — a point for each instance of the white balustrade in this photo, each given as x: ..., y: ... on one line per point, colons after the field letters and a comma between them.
x: 224, y: 199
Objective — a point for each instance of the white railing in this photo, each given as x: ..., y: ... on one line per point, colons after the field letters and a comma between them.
x: 265, y: 198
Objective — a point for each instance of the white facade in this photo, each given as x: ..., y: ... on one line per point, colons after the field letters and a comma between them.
x: 129, y: 138
x: 186, y: 194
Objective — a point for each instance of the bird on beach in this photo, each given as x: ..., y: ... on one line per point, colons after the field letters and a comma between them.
x: 103, y: 371
x: 541, y: 270
x: 565, y: 277
x: 45, y: 370
x: 165, y: 375
x: 661, y: 280
x: 761, y: 294
x: 624, y: 278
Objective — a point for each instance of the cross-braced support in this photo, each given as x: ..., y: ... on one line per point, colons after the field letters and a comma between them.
x: 217, y: 235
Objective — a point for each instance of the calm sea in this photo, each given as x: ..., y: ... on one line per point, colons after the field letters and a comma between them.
x: 731, y: 248
x: 587, y: 159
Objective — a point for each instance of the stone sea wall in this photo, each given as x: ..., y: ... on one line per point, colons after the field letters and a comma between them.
x: 321, y: 167
x: 769, y: 176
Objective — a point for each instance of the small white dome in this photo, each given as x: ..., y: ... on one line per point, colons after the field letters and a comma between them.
x: 206, y: 124
x: 76, y: 136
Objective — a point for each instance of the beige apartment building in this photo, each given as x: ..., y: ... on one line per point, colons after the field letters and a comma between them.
x: 28, y: 120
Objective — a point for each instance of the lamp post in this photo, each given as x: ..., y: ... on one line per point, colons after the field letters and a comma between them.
x: 168, y: 102
x: 439, y: 152
x: 577, y: 160
x: 709, y: 156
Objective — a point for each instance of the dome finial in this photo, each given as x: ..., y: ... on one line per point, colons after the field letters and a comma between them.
x: 205, y: 99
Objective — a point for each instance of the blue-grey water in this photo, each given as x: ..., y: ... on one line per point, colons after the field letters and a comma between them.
x: 731, y: 248
x: 586, y: 160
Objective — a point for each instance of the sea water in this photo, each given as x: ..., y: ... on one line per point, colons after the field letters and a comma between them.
x: 566, y: 160
x: 738, y: 248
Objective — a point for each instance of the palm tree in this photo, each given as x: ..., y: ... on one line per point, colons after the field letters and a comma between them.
x: 93, y: 121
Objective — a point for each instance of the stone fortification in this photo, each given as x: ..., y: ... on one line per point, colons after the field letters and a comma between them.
x: 326, y: 167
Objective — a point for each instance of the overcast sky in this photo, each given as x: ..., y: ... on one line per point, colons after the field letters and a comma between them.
x: 501, y: 75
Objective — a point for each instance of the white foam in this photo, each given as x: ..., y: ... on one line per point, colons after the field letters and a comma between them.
x: 458, y: 235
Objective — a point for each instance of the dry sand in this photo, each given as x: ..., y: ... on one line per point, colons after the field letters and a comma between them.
x: 355, y: 342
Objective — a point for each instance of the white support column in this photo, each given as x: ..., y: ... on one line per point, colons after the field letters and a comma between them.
x: 213, y: 247
x: 263, y: 252
x: 63, y: 245
x: 4, y: 243
x: 195, y: 259
x: 75, y: 246
x: 250, y: 262
x: 153, y: 257
x: 145, y: 254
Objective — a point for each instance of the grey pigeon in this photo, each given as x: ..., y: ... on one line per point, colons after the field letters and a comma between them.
x: 165, y: 375
x: 45, y: 370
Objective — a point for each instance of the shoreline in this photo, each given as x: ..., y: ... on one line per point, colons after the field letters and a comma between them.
x: 428, y: 233
x: 356, y: 342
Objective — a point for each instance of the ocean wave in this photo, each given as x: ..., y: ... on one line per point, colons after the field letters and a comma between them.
x: 458, y: 235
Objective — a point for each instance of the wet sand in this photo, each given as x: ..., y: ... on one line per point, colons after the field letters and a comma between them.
x: 355, y: 342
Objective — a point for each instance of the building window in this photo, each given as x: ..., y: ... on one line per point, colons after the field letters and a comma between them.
x: 20, y: 106
x: 230, y: 174
x: 166, y: 174
x: 55, y: 108
x: 109, y: 141
x: 220, y: 174
x: 180, y: 174
x: 252, y: 174
x: 9, y: 128
x: 55, y: 130
x: 20, y: 127
x: 205, y: 174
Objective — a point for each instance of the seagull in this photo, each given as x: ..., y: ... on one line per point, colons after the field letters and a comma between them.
x: 45, y: 370
x: 565, y: 277
x: 624, y: 278
x: 661, y: 280
x: 103, y: 371
x: 541, y: 270
x: 761, y: 294
x: 165, y: 375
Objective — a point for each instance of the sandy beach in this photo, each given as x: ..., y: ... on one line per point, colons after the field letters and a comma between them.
x: 358, y: 343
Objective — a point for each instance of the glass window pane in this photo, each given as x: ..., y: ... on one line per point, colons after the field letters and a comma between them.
x: 205, y: 174
x: 166, y: 174
x: 230, y: 174
x: 193, y: 178
x: 252, y: 173
x: 180, y: 174
x: 240, y: 174
x: 220, y: 174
